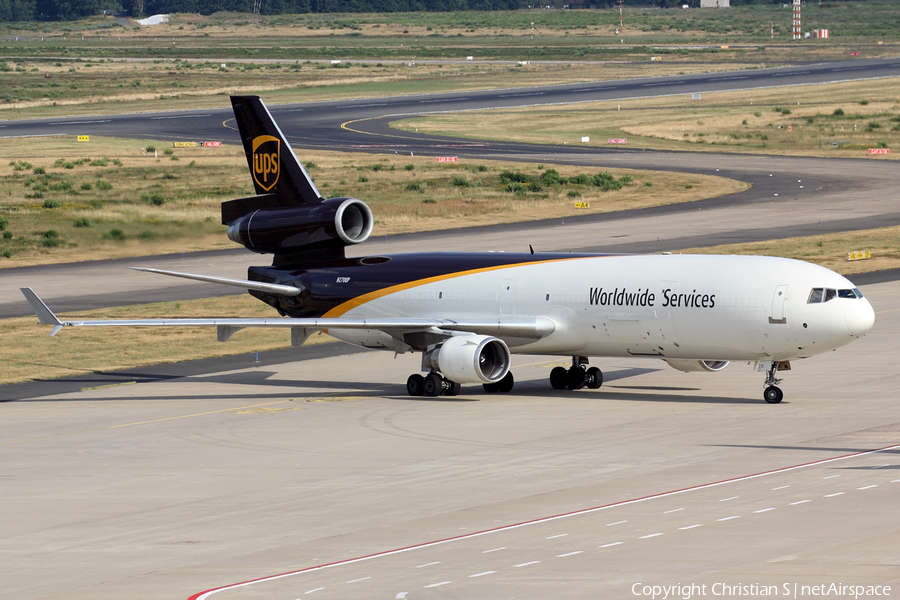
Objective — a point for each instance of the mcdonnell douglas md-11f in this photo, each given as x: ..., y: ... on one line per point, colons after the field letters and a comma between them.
x: 467, y: 312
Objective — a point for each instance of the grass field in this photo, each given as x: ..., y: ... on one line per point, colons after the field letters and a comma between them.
x: 62, y: 200
x: 833, y: 120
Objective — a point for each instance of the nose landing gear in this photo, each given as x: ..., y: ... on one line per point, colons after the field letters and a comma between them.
x: 577, y: 376
x: 773, y: 394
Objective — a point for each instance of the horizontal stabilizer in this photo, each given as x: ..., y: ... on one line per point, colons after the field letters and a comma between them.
x: 272, y: 288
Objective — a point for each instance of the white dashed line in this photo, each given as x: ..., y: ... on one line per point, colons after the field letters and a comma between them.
x: 532, y: 562
x: 691, y: 526
x: 867, y: 487
x: 482, y: 574
x: 780, y: 488
x: 616, y: 523
x: 429, y: 564
x: 832, y: 495
x: 611, y: 544
x: 360, y: 579
x: 762, y: 510
x: 894, y: 480
x: 569, y: 554
x: 728, y: 518
x: 315, y: 590
x: 494, y: 550
x: 727, y: 499
x: 800, y: 502
x: 553, y: 537
x: 644, y: 537
x: 673, y: 510
x: 831, y: 477
x: 438, y: 584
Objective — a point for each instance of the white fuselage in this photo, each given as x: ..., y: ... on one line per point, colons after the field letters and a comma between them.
x: 663, y: 306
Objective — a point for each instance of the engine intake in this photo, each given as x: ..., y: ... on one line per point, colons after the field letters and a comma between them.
x: 279, y: 230
x: 697, y: 365
x: 470, y: 359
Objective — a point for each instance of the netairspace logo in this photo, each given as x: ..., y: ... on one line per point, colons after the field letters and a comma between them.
x: 789, y: 590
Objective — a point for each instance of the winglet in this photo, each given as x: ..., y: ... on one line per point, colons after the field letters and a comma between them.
x: 44, y: 314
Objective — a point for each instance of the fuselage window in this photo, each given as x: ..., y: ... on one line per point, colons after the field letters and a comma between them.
x: 815, y: 296
x: 830, y: 294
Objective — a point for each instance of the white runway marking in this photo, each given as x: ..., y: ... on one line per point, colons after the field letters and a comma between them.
x: 569, y: 554
x: 360, y: 579
x: 673, y: 510
x: 882, y: 466
x: 315, y: 590
x: 429, y: 564
x: 781, y: 487
x: 867, y: 487
x: 616, y: 523
x: 438, y: 584
x: 525, y: 564
x: 483, y: 574
x: 494, y: 550
x: 833, y: 495
x: 831, y: 477
x: 727, y: 499
x: 553, y: 537
x: 691, y: 526
x: 206, y: 594
x: 728, y: 518
x: 611, y: 544
x: 762, y: 510
x: 644, y: 537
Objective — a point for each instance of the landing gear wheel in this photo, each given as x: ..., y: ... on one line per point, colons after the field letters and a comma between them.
x: 559, y: 378
x: 506, y: 384
x: 576, y: 378
x: 451, y: 388
x: 491, y: 388
x: 773, y: 395
x: 415, y: 385
x: 433, y: 384
x: 594, y: 378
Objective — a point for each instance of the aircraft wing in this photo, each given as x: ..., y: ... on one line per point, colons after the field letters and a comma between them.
x: 533, y: 328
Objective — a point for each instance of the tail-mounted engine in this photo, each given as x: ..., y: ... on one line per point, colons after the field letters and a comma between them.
x: 470, y: 359
x: 285, y: 229
x: 697, y: 365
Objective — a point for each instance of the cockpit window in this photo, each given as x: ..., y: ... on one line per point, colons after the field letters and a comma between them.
x: 818, y: 295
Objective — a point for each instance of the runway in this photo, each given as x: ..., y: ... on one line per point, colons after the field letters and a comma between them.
x: 174, y: 486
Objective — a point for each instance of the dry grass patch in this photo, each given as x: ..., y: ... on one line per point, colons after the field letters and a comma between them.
x: 28, y: 353
x: 157, y: 206
x: 827, y: 250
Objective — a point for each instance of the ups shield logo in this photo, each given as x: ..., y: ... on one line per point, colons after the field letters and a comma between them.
x: 266, y: 161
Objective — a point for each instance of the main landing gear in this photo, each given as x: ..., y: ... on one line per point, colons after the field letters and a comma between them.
x: 773, y: 394
x: 577, y: 376
x: 431, y: 385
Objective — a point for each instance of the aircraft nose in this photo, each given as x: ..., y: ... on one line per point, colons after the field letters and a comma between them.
x: 860, y: 317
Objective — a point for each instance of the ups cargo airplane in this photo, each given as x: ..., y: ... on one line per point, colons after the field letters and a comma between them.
x: 467, y: 312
